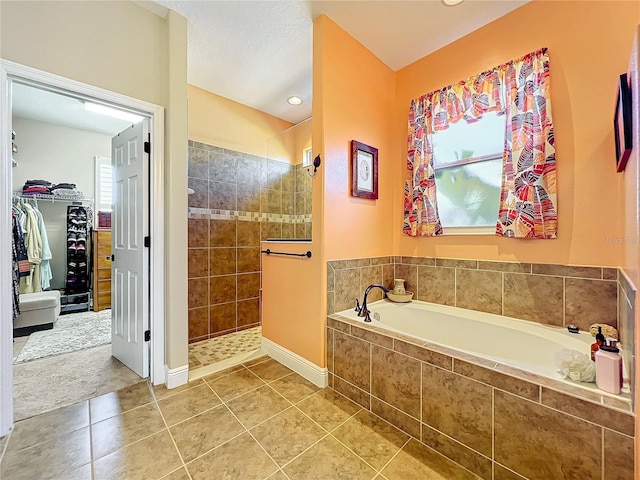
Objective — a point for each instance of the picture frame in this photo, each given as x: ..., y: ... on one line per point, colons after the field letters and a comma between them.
x: 364, y: 171
x: 622, y: 124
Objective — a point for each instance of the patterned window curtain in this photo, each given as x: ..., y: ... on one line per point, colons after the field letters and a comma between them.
x: 520, y: 90
x: 528, y: 201
x: 467, y: 100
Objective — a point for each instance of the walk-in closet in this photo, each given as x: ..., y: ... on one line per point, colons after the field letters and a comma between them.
x: 61, y: 218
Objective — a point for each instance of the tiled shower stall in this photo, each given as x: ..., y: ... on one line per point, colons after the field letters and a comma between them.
x: 239, y: 200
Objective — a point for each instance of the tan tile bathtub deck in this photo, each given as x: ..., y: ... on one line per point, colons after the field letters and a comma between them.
x: 221, y: 348
x: 255, y: 421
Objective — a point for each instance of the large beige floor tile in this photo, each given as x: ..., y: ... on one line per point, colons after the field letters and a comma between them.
x: 328, y: 459
x: 278, y: 476
x: 241, y: 458
x: 287, y: 435
x: 116, y: 432
x: 115, y: 403
x: 418, y: 462
x: 177, y: 408
x: 223, y: 373
x: 180, y: 474
x: 199, y: 434
x: 270, y: 370
x: 294, y: 388
x: 148, y: 459
x: 236, y: 384
x: 328, y: 408
x: 53, y: 459
x: 161, y: 391
x: 257, y: 406
x: 371, y: 438
x: 41, y: 428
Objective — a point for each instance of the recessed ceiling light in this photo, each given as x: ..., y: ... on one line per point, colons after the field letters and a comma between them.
x: 451, y: 3
x: 294, y: 100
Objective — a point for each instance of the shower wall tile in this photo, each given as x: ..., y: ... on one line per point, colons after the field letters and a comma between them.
x: 223, y: 261
x: 222, y: 167
x: 248, y: 234
x: 222, y: 289
x: 567, y: 270
x: 370, y: 276
x: 200, y: 197
x: 198, y: 322
x: 198, y: 262
x: 198, y: 233
x: 347, y: 288
x: 222, y: 196
x: 222, y: 317
x: 245, y: 189
x: 248, y: 259
x: 248, y: 312
x: 248, y: 285
x: 198, y: 166
x: 198, y: 289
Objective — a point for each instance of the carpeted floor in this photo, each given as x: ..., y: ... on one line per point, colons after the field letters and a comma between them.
x: 46, y: 384
x: 71, y: 333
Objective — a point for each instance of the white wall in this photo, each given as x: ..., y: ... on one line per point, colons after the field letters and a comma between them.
x: 57, y: 154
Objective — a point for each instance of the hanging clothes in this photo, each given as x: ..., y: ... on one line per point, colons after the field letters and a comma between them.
x: 33, y: 242
x: 46, y: 275
x: 15, y: 270
x: 23, y: 260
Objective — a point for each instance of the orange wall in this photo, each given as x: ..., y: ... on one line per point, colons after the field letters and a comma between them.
x: 222, y: 122
x: 358, y: 92
x: 588, y: 47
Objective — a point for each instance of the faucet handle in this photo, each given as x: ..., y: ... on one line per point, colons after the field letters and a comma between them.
x: 358, y: 307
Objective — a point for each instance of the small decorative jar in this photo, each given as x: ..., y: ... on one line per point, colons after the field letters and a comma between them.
x: 398, y: 286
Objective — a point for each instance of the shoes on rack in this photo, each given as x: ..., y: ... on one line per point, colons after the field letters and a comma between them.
x: 81, y: 247
x: 72, y: 246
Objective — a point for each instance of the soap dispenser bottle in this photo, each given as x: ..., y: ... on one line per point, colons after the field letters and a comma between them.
x: 609, y: 368
x: 595, y: 346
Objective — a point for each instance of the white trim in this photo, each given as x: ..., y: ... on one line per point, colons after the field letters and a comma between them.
x: 8, y: 72
x: 177, y: 376
x: 309, y: 370
x: 488, y: 230
x: 6, y: 301
x: 200, y: 372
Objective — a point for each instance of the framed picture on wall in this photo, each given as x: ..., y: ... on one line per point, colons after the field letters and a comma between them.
x: 622, y: 124
x: 364, y: 170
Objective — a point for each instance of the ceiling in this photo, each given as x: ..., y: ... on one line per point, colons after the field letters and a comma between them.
x: 45, y: 106
x: 259, y: 53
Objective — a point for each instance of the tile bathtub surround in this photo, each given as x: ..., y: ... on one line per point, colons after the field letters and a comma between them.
x: 239, y: 201
x: 241, y: 423
x: 552, y: 294
x: 473, y: 412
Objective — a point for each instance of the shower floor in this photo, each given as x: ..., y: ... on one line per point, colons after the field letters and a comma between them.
x: 217, y: 349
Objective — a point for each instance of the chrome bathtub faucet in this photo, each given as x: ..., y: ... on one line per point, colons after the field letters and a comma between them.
x: 362, y: 310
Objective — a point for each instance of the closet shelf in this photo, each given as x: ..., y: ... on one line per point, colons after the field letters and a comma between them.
x: 53, y: 198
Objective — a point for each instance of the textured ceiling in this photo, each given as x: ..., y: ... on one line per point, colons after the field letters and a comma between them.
x: 259, y: 53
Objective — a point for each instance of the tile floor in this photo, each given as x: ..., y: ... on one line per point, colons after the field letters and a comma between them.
x: 208, y: 352
x: 255, y: 421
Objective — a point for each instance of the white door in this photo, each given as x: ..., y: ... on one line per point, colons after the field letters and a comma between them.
x: 129, y: 268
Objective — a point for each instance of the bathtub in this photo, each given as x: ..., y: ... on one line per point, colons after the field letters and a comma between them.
x: 518, y: 343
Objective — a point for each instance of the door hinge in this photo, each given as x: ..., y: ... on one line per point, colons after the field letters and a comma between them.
x: 147, y: 147
x: 147, y: 335
x: 147, y: 242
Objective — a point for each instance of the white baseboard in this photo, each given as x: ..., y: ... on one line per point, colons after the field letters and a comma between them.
x: 315, y: 374
x: 176, y: 376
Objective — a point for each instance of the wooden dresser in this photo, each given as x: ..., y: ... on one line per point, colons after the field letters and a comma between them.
x: 101, y: 269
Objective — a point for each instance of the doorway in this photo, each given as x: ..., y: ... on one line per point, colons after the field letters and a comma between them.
x: 63, y: 332
x: 13, y: 73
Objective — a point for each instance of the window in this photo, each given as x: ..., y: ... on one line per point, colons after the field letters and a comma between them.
x: 104, y: 184
x: 306, y: 157
x: 467, y: 159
